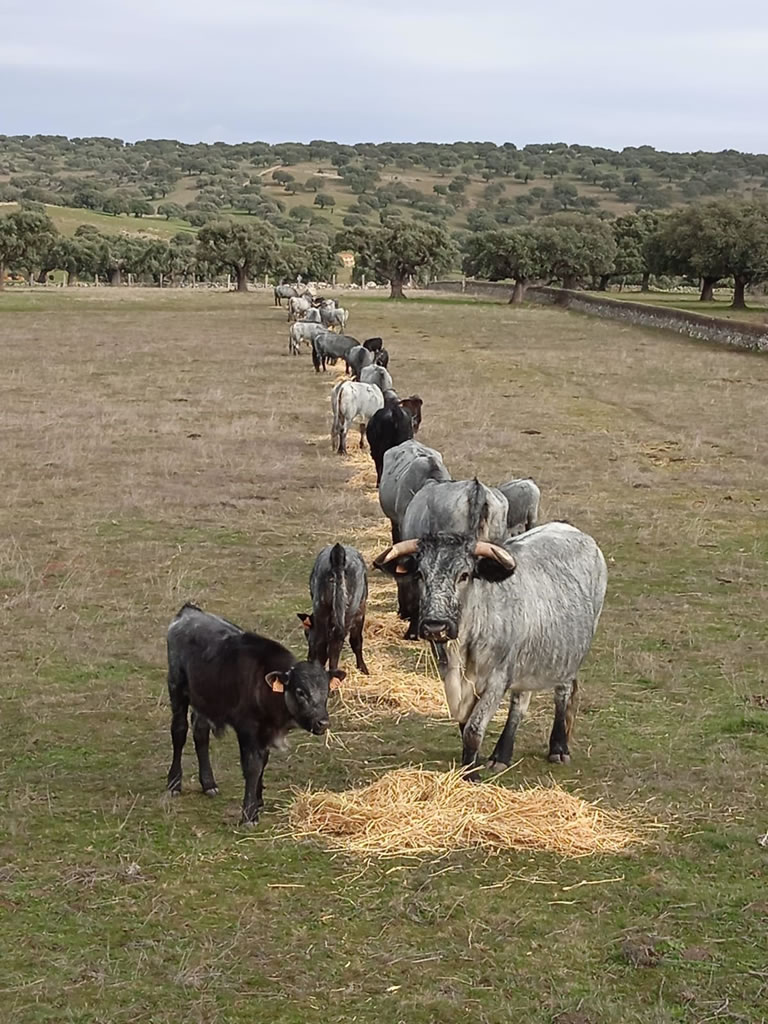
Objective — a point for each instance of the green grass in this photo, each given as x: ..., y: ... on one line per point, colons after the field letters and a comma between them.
x: 67, y: 219
x: 756, y: 311
x: 119, y: 904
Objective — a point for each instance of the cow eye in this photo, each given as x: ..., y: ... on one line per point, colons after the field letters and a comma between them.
x: 463, y: 577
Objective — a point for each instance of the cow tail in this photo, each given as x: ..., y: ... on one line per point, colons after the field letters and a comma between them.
x: 571, y: 708
x: 336, y: 425
x: 338, y: 588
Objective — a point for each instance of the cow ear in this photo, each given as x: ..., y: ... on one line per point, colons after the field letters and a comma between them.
x: 277, y: 681
x: 305, y: 620
x: 335, y: 677
x: 491, y: 571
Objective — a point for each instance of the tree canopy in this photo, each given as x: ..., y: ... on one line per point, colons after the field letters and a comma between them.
x: 240, y: 249
x: 398, y: 252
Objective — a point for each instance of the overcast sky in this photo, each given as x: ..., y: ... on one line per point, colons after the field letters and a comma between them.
x: 669, y: 73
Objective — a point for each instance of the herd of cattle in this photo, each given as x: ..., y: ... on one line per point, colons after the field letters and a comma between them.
x: 509, y: 608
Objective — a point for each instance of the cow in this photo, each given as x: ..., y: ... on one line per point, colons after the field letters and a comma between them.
x: 376, y: 375
x: 356, y: 359
x: 322, y: 303
x: 523, y: 496
x: 373, y: 344
x: 334, y: 317
x: 405, y: 469
x: 230, y: 677
x: 284, y: 291
x: 328, y: 346
x: 312, y: 316
x: 382, y: 358
x: 449, y: 507
x: 339, y: 589
x: 512, y: 618
x: 352, y: 402
x: 398, y: 421
x: 298, y: 306
x: 301, y: 331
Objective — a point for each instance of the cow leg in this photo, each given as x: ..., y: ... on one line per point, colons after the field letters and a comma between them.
x: 476, y: 723
x: 343, y: 439
x: 396, y: 538
x: 201, y: 733
x: 356, y: 642
x: 335, y: 644
x: 252, y: 763
x: 501, y: 758
x: 408, y: 606
x: 260, y: 786
x: 177, y: 691
x: 566, y: 703
x: 362, y: 437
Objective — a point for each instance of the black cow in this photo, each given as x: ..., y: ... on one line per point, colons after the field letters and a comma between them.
x: 398, y: 421
x: 339, y: 589
x: 373, y: 344
x: 382, y: 358
x: 231, y: 677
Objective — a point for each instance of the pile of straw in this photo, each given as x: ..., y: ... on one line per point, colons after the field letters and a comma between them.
x: 413, y: 811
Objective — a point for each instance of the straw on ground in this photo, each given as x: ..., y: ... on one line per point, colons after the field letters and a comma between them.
x: 415, y: 811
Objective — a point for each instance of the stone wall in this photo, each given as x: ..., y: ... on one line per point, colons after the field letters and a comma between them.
x: 735, y: 333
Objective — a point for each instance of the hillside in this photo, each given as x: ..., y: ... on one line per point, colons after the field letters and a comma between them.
x: 158, y: 187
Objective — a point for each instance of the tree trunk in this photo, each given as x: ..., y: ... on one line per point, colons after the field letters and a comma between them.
x: 518, y: 292
x: 645, y: 284
x: 115, y: 277
x: 242, y: 279
x: 739, y: 284
x: 2, y: 275
x: 569, y: 281
x: 42, y: 277
x: 603, y: 283
x: 707, y: 289
x: 396, y: 288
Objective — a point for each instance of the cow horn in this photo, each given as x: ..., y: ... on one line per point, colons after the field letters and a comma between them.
x: 485, y: 550
x: 405, y: 547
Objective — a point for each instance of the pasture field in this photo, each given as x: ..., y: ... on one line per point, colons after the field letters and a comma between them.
x: 756, y: 311
x: 159, y: 447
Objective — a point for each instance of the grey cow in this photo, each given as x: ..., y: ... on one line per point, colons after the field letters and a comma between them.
x: 377, y: 375
x: 339, y: 590
x: 523, y: 497
x: 451, y: 507
x: 406, y: 468
x: 334, y: 317
x: 284, y: 291
x: 506, y: 619
x: 352, y: 403
x: 329, y: 346
x: 301, y: 331
x: 358, y: 358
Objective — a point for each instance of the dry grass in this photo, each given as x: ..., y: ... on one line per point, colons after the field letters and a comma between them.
x: 412, y: 811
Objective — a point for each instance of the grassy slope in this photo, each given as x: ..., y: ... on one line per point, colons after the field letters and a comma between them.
x: 154, y: 454
x: 67, y: 219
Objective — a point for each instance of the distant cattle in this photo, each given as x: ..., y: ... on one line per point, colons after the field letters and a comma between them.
x: 352, y: 403
x: 334, y: 317
x: 405, y: 470
x: 523, y: 496
x: 339, y: 589
x: 298, y: 306
x: 357, y: 358
x: 373, y: 344
x: 284, y: 291
x: 329, y: 346
x: 398, y: 421
x: 301, y: 331
x: 230, y: 677
x: 376, y: 375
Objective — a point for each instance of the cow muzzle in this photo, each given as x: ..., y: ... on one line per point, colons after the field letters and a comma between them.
x: 319, y: 728
x: 438, y: 630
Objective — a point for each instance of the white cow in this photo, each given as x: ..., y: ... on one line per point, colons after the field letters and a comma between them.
x: 302, y: 331
x: 298, y: 306
x: 352, y: 402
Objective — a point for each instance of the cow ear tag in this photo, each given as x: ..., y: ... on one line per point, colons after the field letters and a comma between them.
x: 274, y: 682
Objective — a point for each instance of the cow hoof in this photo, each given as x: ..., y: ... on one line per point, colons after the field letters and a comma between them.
x: 497, y: 767
x: 213, y: 791
x: 175, y: 792
x: 363, y: 669
x: 559, y: 758
x: 249, y: 822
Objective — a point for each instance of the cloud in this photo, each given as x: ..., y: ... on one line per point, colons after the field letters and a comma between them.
x: 668, y: 74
